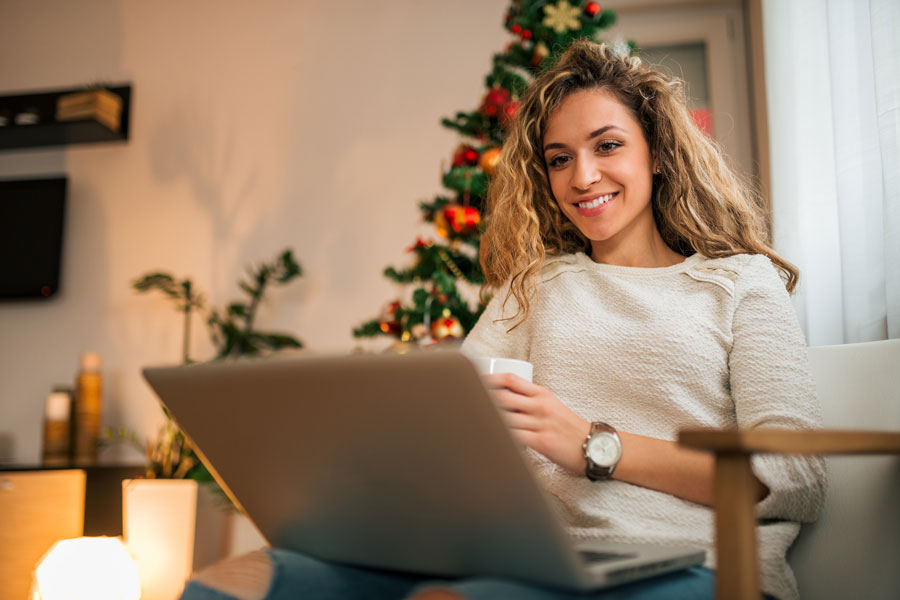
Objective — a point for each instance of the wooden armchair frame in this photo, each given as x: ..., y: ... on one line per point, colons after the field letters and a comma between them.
x: 737, y: 569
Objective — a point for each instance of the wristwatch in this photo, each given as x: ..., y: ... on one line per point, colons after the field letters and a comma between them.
x: 602, y: 451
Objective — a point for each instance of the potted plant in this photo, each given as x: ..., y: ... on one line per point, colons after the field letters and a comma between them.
x: 170, y: 457
x: 233, y: 334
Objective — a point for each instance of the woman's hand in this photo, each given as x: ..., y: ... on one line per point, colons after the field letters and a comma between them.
x: 539, y: 420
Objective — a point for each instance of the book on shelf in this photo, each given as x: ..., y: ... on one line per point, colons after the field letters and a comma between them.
x: 100, y: 104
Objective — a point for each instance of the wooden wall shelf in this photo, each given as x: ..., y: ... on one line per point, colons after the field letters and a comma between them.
x: 48, y: 131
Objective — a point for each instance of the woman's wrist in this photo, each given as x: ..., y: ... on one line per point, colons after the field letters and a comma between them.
x: 576, y: 462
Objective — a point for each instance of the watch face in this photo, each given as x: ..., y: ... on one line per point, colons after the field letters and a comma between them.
x: 604, y: 449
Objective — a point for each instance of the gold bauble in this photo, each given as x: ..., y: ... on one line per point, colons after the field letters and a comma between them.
x: 443, y: 220
x: 489, y: 160
x: 447, y: 327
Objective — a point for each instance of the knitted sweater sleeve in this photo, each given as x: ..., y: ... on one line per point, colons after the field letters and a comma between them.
x: 494, y: 334
x: 771, y: 387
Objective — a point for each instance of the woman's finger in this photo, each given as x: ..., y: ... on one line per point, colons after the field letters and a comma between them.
x: 518, y: 421
x: 512, y: 401
x: 525, y: 437
x: 511, y: 382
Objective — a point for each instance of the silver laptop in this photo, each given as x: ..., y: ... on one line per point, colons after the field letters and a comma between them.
x: 391, y: 462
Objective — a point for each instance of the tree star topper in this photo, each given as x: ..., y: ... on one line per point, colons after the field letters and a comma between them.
x: 562, y: 17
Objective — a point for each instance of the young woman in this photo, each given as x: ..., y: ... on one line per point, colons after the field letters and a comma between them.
x: 630, y: 265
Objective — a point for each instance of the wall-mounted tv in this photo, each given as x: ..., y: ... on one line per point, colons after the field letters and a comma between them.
x: 32, y: 216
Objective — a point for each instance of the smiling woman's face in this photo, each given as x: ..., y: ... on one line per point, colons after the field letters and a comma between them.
x: 600, y: 170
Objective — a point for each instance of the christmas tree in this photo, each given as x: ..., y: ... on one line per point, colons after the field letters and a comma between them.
x: 436, y: 310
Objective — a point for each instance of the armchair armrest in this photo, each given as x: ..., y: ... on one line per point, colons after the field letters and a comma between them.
x: 737, y: 569
x: 785, y: 441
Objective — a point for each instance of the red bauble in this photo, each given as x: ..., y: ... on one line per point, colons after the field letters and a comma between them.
x: 591, y: 9
x: 465, y: 155
x: 447, y: 327
x: 509, y: 113
x: 526, y: 35
x: 458, y: 220
x: 420, y: 243
x: 389, y: 323
x: 517, y: 29
x: 466, y: 220
x: 494, y: 101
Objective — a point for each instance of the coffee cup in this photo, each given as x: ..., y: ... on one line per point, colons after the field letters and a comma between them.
x: 490, y: 366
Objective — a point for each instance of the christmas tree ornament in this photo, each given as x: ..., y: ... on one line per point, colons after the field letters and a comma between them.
x: 562, y: 17
x: 447, y: 327
x: 516, y: 29
x: 442, y: 224
x: 591, y: 9
x: 420, y: 244
x: 489, y: 160
x: 389, y: 323
x: 404, y: 345
x: 541, y: 51
x: 452, y: 266
x: 526, y: 34
x: 418, y: 331
x: 494, y: 101
x: 465, y: 155
x: 509, y: 113
x: 459, y: 220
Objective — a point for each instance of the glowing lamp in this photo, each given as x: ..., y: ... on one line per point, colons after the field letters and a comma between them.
x: 89, y: 567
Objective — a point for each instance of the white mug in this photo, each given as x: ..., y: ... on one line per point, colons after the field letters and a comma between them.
x: 489, y: 366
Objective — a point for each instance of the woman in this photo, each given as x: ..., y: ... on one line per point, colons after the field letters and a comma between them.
x: 630, y: 267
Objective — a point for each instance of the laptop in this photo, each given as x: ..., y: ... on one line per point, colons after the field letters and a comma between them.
x: 391, y: 462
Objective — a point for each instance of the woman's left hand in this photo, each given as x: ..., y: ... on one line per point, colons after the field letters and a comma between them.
x: 539, y: 420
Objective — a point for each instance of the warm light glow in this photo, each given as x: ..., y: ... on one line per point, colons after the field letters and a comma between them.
x: 98, y: 568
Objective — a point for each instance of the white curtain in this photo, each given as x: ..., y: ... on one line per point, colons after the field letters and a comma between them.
x: 833, y: 91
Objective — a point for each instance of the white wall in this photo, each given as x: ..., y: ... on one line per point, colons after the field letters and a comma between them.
x: 255, y: 126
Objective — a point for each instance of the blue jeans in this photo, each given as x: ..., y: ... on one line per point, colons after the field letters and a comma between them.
x: 299, y: 576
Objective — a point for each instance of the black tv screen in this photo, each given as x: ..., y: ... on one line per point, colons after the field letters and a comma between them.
x: 32, y: 213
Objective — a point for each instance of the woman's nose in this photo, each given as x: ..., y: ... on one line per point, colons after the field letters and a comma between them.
x: 586, y: 174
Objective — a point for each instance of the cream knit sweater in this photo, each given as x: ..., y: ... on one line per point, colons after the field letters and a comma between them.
x: 708, y: 342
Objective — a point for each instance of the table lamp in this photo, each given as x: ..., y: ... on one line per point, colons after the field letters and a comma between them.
x: 88, y: 567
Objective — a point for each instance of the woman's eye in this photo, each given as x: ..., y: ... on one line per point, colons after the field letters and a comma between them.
x: 608, y: 146
x: 558, y: 161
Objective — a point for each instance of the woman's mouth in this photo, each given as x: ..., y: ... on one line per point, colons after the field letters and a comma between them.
x: 590, y: 206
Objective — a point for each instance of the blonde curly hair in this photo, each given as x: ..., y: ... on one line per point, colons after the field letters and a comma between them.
x: 699, y: 203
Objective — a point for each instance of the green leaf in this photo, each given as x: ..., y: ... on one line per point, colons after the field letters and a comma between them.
x: 289, y: 267
x: 158, y: 281
x: 237, y: 309
x: 369, y: 329
x: 607, y: 19
x: 275, y: 341
x: 420, y: 295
